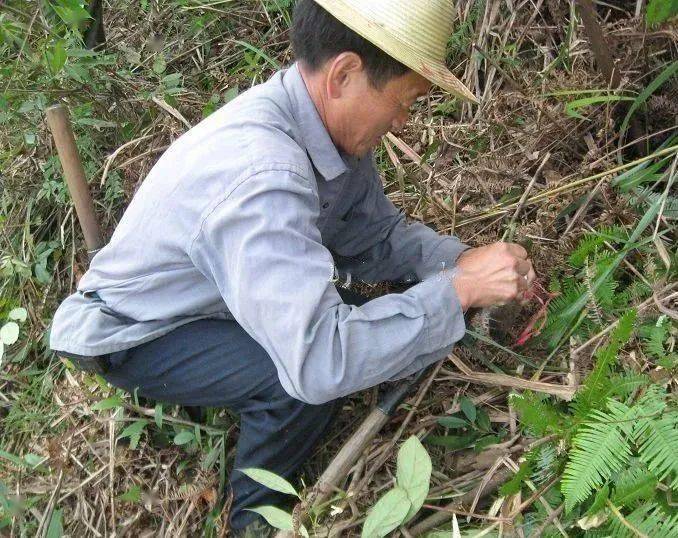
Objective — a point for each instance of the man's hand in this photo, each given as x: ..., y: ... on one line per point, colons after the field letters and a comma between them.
x: 493, y: 275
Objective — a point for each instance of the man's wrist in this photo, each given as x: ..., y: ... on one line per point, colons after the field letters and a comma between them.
x: 463, y: 291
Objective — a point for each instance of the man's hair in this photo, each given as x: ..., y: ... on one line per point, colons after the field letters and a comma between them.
x: 317, y: 37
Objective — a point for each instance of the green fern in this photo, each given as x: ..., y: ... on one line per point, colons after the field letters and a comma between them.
x: 597, y: 385
x: 634, y: 484
x: 650, y: 520
x: 642, y: 197
x: 654, y: 336
x: 535, y: 414
x: 591, y: 242
x: 600, y: 449
x: 546, y: 464
x: 657, y: 440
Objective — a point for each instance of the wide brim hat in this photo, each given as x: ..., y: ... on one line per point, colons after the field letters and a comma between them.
x: 413, y: 32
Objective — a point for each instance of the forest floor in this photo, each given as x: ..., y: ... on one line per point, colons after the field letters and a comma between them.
x: 558, y: 418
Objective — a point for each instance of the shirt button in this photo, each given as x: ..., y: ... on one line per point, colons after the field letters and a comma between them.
x: 326, y: 205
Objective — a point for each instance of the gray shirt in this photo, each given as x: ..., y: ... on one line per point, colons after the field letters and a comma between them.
x: 249, y: 216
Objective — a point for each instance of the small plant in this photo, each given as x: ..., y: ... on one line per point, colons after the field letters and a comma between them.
x: 396, y: 507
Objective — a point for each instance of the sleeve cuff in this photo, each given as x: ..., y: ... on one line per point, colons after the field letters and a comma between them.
x: 444, y: 315
x: 446, y: 252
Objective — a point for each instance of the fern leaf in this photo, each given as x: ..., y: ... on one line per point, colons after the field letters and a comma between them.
x: 546, y: 464
x: 600, y: 449
x: 657, y: 440
x: 597, y: 385
x: 634, y: 484
x: 538, y: 416
x: 648, y: 519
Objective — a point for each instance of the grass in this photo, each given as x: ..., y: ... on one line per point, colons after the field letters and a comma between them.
x: 77, y: 456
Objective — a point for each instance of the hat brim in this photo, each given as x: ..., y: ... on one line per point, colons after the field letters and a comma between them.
x: 433, y: 70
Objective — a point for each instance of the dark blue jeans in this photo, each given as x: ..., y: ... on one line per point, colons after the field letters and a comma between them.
x: 215, y: 363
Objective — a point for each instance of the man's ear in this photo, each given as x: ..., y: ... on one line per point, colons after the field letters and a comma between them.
x: 344, y: 71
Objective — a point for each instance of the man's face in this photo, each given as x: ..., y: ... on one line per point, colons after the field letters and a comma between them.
x: 368, y: 113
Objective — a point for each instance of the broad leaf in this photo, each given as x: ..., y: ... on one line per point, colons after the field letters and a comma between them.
x: 184, y: 437
x: 18, y: 314
x: 9, y: 333
x: 134, y: 431
x: 278, y: 518
x: 108, y: 403
x: 414, y: 473
x: 270, y: 480
x: 388, y: 514
x: 468, y: 408
x: 453, y: 422
x: 132, y: 495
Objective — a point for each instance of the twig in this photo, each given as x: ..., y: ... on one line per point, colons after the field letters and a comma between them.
x: 625, y: 521
x: 511, y: 228
x: 551, y: 517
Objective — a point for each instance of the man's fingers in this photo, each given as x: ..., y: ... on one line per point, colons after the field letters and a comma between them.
x: 523, y: 267
x: 517, y: 251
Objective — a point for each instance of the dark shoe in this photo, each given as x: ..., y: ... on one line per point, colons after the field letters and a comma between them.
x: 257, y: 529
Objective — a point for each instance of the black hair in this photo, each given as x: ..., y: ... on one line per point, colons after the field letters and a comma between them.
x: 318, y: 37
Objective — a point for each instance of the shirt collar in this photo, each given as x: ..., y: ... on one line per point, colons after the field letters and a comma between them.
x: 322, y: 151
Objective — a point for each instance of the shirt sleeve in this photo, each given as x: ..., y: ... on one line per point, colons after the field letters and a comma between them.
x: 262, y: 249
x: 378, y: 244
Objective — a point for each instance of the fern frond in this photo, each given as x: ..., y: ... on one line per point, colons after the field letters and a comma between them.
x: 634, y: 484
x: 545, y: 464
x: 654, y: 337
x: 535, y: 414
x: 600, y: 448
x: 623, y: 385
x: 598, y: 383
x: 649, y: 519
x: 642, y: 197
x: 657, y: 440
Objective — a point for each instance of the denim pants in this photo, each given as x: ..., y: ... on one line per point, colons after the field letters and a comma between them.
x: 215, y: 363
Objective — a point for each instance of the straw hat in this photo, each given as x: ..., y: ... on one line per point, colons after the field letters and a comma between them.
x: 414, y: 32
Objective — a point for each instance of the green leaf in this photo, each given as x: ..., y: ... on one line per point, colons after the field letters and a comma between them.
x: 134, y: 431
x: 659, y: 11
x: 158, y: 415
x: 483, y: 420
x: 33, y: 459
x: 132, y: 495
x: 599, y: 502
x: 56, y: 57
x: 71, y: 12
x: 515, y: 484
x: 277, y: 518
x: 159, y: 65
x: 55, y: 529
x: 414, y: 473
x: 9, y: 333
x: 18, y: 314
x: 665, y: 75
x: 486, y: 441
x: 108, y: 403
x: 468, y: 408
x: 270, y: 480
x: 453, y: 422
x: 388, y: 514
x: 183, y: 437
x: 452, y: 442
x: 572, y: 107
